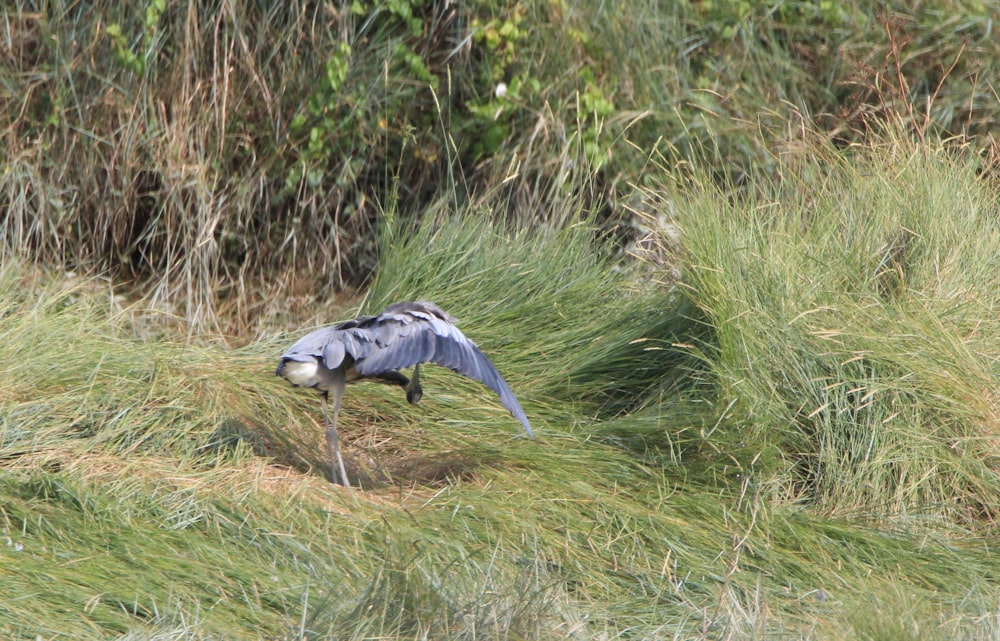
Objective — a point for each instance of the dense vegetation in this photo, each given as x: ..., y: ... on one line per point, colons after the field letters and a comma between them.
x: 219, y: 152
x: 741, y: 264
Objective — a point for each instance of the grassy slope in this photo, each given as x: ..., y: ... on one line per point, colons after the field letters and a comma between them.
x: 695, y: 476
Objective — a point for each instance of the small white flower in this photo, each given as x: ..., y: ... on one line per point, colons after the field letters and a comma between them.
x: 501, y: 90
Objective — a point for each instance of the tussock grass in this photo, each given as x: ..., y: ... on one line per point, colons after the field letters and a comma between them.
x: 853, y: 306
x: 154, y: 490
x: 589, y: 329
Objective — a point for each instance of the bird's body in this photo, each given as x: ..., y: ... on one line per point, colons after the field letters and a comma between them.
x: 377, y: 347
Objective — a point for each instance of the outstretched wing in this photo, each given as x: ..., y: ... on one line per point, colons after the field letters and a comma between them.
x: 411, y: 333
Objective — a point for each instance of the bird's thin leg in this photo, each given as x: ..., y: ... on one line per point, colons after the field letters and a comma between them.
x: 332, y: 438
x: 413, y: 389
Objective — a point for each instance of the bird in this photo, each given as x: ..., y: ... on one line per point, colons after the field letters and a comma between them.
x: 403, y: 335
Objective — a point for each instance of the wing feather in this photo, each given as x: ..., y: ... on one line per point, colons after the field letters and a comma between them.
x: 331, y: 344
x: 311, y: 345
x: 334, y: 352
x: 436, y: 341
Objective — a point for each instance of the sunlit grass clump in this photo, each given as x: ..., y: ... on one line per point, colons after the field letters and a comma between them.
x: 853, y: 305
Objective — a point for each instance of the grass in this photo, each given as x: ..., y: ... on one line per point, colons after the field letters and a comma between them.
x: 852, y: 329
x: 794, y: 440
x: 774, y: 416
x: 221, y: 156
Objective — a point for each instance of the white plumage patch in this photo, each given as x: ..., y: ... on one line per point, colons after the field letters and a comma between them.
x: 301, y: 373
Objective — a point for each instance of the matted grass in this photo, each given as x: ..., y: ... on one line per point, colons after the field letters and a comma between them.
x: 682, y: 485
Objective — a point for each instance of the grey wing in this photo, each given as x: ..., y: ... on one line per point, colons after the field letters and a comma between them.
x: 311, y: 345
x: 331, y: 344
x: 439, y: 342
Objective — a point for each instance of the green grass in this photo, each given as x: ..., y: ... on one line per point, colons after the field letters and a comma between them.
x: 221, y: 155
x: 774, y: 416
x: 854, y: 324
x: 792, y: 441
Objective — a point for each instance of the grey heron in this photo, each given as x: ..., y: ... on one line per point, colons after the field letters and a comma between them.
x: 377, y: 347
